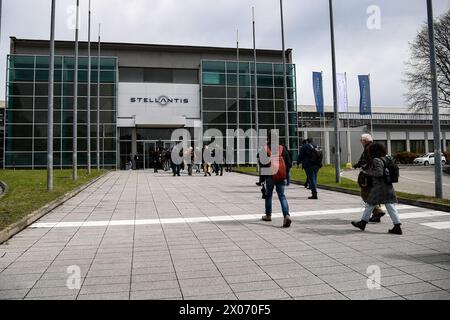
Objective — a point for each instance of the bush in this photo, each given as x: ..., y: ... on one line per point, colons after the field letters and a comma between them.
x: 406, y: 157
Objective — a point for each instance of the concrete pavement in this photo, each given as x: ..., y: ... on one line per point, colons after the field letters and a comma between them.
x: 140, y: 235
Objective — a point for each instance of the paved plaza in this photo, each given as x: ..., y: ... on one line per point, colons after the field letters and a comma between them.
x: 141, y: 235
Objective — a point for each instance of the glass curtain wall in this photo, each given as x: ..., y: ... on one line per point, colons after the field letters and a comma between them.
x: 221, y: 91
x: 27, y: 105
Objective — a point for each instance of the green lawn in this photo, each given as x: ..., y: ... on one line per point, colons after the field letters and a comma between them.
x: 28, y: 191
x: 327, y: 177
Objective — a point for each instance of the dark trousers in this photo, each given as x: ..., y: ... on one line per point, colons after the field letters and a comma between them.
x: 311, y: 173
x: 176, y: 168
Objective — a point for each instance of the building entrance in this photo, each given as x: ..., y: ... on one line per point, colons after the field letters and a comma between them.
x: 159, y: 150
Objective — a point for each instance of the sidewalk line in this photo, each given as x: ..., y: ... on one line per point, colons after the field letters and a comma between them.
x: 438, y: 225
x: 249, y: 217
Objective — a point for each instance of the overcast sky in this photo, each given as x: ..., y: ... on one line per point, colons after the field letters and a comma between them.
x: 360, y: 50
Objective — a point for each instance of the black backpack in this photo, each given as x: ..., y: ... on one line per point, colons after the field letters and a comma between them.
x: 391, y: 171
x: 316, y: 156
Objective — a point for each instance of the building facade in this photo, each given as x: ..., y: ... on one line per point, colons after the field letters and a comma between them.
x: 395, y: 127
x: 145, y: 93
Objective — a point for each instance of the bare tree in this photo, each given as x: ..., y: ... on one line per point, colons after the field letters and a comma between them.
x: 418, y: 75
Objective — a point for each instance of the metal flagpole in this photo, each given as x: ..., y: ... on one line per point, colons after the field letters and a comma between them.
x: 371, y: 117
x: 98, y: 100
x: 103, y: 145
x: 238, y: 104
x: 89, y: 95
x: 286, y: 110
x: 75, y: 102
x: 337, y: 160
x: 349, y: 139
x: 435, y: 97
x: 324, y: 120
x: 1, y: 6
x: 256, y: 85
x: 50, y: 101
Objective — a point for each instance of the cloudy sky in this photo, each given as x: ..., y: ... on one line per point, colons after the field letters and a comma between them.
x: 360, y: 50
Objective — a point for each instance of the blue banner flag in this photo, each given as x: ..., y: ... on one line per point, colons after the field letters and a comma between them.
x: 365, y: 104
x: 318, y: 91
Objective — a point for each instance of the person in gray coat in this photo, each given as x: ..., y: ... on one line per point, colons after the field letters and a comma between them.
x: 380, y: 192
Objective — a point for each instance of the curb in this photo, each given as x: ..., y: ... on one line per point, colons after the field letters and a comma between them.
x: 416, y: 203
x: 26, y: 221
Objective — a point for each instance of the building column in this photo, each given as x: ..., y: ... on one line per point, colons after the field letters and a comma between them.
x: 408, y: 142
x: 133, y: 147
x: 389, y: 143
x: 427, y: 149
x: 327, y: 147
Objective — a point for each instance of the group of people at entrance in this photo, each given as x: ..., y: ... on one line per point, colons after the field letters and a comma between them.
x: 378, y: 173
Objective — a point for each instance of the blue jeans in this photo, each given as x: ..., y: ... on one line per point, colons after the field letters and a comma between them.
x: 391, y: 208
x: 281, y: 196
x: 311, y: 173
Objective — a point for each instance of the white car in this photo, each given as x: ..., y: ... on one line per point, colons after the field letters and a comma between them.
x: 428, y: 159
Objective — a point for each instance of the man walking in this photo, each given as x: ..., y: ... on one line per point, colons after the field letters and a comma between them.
x: 364, y: 180
x: 311, y: 159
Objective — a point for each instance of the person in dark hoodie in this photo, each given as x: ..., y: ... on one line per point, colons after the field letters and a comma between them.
x: 365, y: 181
x: 380, y: 192
x: 311, y: 162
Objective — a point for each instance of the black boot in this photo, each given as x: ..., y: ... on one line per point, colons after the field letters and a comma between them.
x: 313, y: 197
x: 360, y: 225
x: 396, y: 230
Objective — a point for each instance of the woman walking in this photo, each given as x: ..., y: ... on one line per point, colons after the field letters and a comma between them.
x: 380, y: 192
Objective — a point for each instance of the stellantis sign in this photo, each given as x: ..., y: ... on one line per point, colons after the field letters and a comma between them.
x: 162, y: 100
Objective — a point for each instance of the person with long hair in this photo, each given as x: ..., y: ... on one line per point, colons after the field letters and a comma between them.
x: 380, y: 191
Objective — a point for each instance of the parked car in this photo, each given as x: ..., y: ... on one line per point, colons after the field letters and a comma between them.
x: 428, y: 159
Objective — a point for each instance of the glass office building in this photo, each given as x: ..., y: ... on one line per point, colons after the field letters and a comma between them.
x: 27, y: 105
x: 148, y: 92
x: 228, y: 100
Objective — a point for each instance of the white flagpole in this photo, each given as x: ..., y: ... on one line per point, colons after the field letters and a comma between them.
x: 75, y: 101
x: 98, y: 100
x: 89, y: 95
x: 349, y: 139
x: 50, y: 100
x: 256, y: 85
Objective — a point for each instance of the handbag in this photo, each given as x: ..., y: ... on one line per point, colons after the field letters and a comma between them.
x: 264, y: 191
x: 364, y: 180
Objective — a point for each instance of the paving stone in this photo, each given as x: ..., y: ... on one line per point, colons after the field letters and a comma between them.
x: 368, y: 294
x: 156, y: 294
x: 413, y: 288
x: 254, y: 286
x: 12, y: 294
x: 310, y: 290
x: 272, y: 294
x: 105, y: 296
x: 435, y: 295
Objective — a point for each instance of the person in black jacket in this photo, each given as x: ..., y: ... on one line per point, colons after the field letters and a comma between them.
x: 364, y: 180
x: 311, y: 167
x: 279, y: 186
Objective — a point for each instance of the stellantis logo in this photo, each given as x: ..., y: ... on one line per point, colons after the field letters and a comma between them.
x: 162, y: 100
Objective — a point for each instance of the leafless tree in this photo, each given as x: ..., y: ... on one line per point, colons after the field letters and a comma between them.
x: 418, y: 74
